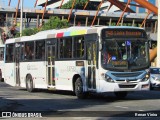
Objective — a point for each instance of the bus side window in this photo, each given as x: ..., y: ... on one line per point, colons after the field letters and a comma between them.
x: 9, y: 53
x: 61, y: 48
x: 22, y: 52
x: 40, y: 50
x: 29, y: 50
x: 66, y: 47
x: 78, y: 47
x: 1, y: 53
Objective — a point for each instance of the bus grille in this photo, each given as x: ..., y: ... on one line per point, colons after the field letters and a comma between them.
x: 132, y: 80
x: 127, y: 86
x: 127, y: 75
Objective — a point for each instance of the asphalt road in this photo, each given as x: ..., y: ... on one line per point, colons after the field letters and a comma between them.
x: 63, y: 104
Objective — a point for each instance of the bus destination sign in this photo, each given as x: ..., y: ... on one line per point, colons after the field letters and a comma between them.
x: 120, y: 63
x: 124, y: 33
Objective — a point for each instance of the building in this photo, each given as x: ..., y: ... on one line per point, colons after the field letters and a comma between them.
x: 134, y: 6
x: 56, y: 3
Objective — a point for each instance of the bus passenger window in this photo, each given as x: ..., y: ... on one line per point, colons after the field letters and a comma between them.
x: 66, y: 48
x: 22, y: 52
x: 29, y: 48
x: 40, y: 50
x: 78, y: 47
x: 1, y: 53
x: 9, y: 53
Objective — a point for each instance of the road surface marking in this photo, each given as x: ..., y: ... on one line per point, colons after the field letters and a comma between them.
x: 122, y: 107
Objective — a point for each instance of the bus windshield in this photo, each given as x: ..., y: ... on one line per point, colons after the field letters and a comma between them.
x: 125, y: 54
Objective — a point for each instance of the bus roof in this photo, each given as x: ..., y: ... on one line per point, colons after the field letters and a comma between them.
x: 71, y: 31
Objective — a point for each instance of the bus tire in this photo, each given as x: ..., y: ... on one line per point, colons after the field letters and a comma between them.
x: 2, y: 80
x: 121, y: 95
x: 29, y: 83
x: 151, y: 88
x: 79, y: 89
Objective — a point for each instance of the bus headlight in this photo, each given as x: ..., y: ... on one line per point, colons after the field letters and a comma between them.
x: 145, y: 78
x: 109, y: 79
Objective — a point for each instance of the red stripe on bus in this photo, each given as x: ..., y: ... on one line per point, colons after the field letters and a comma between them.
x: 59, y: 35
x: 53, y: 78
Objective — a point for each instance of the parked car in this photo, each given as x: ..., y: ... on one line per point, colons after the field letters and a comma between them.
x: 154, y: 78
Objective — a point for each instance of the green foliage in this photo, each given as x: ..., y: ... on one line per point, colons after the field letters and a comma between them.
x: 79, y: 4
x: 27, y: 32
x: 53, y: 23
x: 113, y: 24
x: 17, y: 34
x: 124, y: 24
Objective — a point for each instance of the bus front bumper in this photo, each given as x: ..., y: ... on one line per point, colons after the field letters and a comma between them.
x: 112, y: 87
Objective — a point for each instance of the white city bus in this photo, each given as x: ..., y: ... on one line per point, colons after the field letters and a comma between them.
x: 1, y: 62
x: 80, y: 59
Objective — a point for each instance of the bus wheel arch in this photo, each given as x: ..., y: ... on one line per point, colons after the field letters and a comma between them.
x: 75, y: 77
x: 29, y: 83
x: 78, y: 88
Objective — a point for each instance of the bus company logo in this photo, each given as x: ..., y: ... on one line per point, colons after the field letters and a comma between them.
x: 31, y: 67
x: 126, y: 80
x: 20, y: 115
x: 6, y: 114
x: 28, y: 67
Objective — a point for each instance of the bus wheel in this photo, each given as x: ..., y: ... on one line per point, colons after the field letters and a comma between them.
x: 2, y: 80
x: 29, y: 83
x: 121, y: 95
x: 79, y: 89
x: 151, y: 88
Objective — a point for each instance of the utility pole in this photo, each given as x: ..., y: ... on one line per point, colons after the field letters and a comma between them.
x: 21, y: 23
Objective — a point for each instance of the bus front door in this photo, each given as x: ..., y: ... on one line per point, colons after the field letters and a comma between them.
x: 51, y: 64
x: 91, y: 58
x: 17, y: 57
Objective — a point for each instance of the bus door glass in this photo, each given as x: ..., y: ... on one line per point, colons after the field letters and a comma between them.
x: 92, y: 61
x: 1, y: 53
x: 17, y: 58
x: 51, y: 48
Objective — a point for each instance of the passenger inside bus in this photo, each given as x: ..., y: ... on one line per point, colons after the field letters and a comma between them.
x: 106, y: 57
x: 28, y: 53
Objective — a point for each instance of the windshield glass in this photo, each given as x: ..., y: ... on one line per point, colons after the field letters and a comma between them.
x: 121, y: 54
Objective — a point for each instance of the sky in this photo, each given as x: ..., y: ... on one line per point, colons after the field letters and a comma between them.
x: 26, y: 3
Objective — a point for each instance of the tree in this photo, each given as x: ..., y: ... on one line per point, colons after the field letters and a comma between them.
x: 55, y: 22
x: 79, y: 4
x: 52, y: 23
x: 27, y: 32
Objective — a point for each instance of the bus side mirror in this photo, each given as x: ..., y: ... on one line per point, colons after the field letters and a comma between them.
x: 150, y: 44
